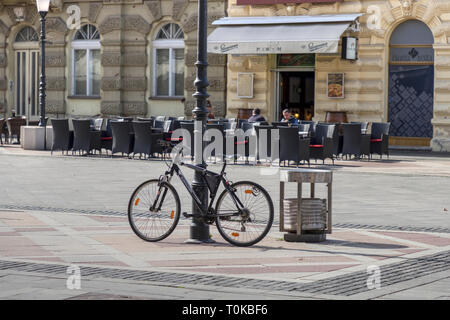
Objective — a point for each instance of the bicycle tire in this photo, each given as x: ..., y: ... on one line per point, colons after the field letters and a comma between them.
x: 228, y: 226
x: 138, y: 203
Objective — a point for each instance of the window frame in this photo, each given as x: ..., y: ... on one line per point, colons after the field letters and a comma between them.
x: 171, y: 45
x: 88, y: 45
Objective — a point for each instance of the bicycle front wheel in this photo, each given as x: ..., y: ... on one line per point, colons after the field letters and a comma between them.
x: 249, y: 225
x: 154, y: 210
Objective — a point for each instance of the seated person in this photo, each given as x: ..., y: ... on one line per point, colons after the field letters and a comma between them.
x: 256, y: 116
x: 288, y: 117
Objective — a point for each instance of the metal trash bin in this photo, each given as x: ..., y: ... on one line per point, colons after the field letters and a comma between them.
x: 313, y: 221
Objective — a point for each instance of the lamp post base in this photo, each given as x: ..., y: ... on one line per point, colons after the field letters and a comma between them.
x: 199, y: 233
x: 196, y: 241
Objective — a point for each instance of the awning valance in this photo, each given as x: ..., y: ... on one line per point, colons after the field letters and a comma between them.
x: 272, y: 35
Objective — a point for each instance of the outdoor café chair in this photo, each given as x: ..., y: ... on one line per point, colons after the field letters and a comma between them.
x: 217, y: 153
x: 355, y: 143
x: 260, y: 143
x: 142, y: 138
x: 62, y: 138
x: 280, y: 124
x: 292, y: 147
x: 379, y: 138
x: 337, y: 148
x: 83, y: 140
x: 312, y: 125
x: 321, y: 145
x: 159, y: 124
x: 2, y: 126
x: 14, y: 125
x: 122, y: 139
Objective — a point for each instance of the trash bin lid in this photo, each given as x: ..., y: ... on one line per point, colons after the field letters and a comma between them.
x: 306, y: 175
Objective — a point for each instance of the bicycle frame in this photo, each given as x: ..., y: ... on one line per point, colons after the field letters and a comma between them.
x: 175, y: 169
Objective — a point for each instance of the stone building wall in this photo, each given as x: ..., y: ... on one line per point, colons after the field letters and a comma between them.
x: 366, y: 80
x: 127, y: 29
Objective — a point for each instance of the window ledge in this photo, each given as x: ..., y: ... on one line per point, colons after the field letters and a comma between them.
x: 179, y: 98
x: 84, y: 97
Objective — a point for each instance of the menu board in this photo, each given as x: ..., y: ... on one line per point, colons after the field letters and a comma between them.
x: 245, y: 85
x: 335, y: 85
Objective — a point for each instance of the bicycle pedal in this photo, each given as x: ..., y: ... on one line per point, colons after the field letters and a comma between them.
x: 190, y: 215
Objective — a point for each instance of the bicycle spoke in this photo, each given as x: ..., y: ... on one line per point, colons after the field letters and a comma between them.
x: 255, y: 220
x: 153, y: 225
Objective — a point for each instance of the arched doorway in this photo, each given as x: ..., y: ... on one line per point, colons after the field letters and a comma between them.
x: 411, y: 84
x: 26, y: 73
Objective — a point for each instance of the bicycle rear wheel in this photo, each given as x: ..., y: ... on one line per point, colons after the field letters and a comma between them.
x: 254, y: 221
x: 158, y: 223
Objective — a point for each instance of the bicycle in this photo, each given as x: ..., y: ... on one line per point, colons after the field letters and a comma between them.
x: 243, y: 213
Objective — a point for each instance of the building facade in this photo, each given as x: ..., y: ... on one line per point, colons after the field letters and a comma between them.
x: 401, y: 74
x: 108, y: 57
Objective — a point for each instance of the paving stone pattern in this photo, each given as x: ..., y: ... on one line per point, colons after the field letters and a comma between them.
x: 346, y: 285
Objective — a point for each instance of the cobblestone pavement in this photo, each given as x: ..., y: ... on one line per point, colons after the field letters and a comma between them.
x: 57, y: 211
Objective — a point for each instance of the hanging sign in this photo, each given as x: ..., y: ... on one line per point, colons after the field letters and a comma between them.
x: 349, y: 45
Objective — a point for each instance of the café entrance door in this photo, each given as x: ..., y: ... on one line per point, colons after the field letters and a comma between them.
x: 296, y: 93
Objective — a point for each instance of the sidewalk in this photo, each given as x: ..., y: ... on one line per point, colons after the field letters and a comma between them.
x: 56, y: 211
x: 272, y: 269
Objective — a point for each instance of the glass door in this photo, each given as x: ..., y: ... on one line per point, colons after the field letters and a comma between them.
x: 27, y: 83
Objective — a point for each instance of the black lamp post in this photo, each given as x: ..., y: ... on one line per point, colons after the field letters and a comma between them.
x: 42, y: 7
x: 199, y: 230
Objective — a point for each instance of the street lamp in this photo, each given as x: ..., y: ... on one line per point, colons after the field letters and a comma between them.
x: 42, y: 7
x: 199, y: 230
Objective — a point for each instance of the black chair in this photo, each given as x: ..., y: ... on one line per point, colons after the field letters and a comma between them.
x: 122, y: 138
x: 240, y: 123
x: 292, y: 147
x: 14, y: 125
x: 364, y: 125
x: 82, y: 136
x: 379, y: 138
x: 280, y: 124
x: 355, y: 143
x: 2, y: 130
x: 304, y: 127
x: 218, y: 153
x: 260, y: 144
x: 337, y: 148
x: 62, y: 138
x: 145, y: 119
x: 98, y: 124
x: 168, y: 126
x: 230, y: 125
x: 159, y: 124
x: 312, y: 125
x: 176, y: 124
x: 106, y: 136
x: 321, y: 145
x: 126, y: 119
x: 247, y: 126
x: 142, y: 138
x: 151, y: 120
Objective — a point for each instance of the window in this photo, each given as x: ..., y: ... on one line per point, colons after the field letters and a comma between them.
x: 27, y: 34
x: 86, y: 62
x: 168, y: 63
